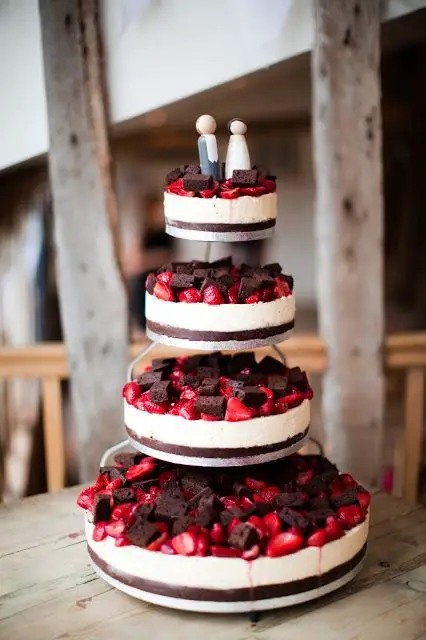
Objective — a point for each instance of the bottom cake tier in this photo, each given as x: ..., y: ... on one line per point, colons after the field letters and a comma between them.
x: 238, y: 540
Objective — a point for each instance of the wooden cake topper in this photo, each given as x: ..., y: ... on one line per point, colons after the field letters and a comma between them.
x: 207, y: 146
x: 237, y: 156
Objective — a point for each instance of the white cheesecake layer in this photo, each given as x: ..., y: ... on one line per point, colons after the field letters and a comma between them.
x: 221, y: 317
x: 243, y: 210
x: 221, y: 434
x: 228, y: 573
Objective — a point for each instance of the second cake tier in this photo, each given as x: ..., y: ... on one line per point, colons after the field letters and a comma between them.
x: 218, y: 410
x: 216, y: 305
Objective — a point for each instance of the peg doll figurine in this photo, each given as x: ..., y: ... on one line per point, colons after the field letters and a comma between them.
x: 207, y: 146
x: 237, y: 156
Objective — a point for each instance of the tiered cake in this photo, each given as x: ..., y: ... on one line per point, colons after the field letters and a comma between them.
x: 178, y: 529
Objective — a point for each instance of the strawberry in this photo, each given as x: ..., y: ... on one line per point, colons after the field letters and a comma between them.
x: 233, y: 524
x: 99, y: 532
x: 86, y: 498
x: 284, y: 543
x: 123, y: 512
x: 267, y: 408
x: 256, y: 485
x: 318, y: 538
x: 161, y: 526
x: 364, y: 499
x: 269, y: 493
x: 236, y: 411
x: 131, y: 391
x: 349, y: 516
x: 115, y: 529
x: 235, y: 273
x: 158, y: 542
x: 205, y: 416
x: 159, y: 408
x: 212, y: 295
x: 225, y: 552
x: 141, y: 470
x: 253, y: 299
x: 167, y: 548
x: 190, y: 295
x: 333, y: 528
x: 154, y: 492
x: 217, y: 534
x: 260, y: 525
x: 188, y: 393
x: 246, y: 503
x: 337, y: 486
x: 230, y: 194
x: 281, y: 288
x: 121, y: 541
x: 187, y: 410
x: 100, y: 482
x: 203, y: 544
x: 272, y: 523
x: 163, y: 292
x: 267, y: 295
x: 348, y: 480
x: 304, y: 477
x: 166, y: 276
x: 231, y: 501
x: 289, y: 401
x: 232, y: 294
x: 251, y: 554
x: 117, y: 483
x: 184, y: 544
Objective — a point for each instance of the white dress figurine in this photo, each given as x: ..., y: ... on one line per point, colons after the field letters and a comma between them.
x: 207, y: 146
x: 237, y: 156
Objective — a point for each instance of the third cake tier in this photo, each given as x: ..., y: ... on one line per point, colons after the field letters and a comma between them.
x: 218, y: 410
x: 216, y: 305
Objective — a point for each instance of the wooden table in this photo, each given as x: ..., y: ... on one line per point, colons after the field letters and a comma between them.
x: 49, y: 591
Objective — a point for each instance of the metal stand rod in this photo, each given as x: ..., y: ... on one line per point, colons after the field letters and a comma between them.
x: 116, y: 447
x: 279, y: 353
x: 208, y: 251
x: 139, y: 357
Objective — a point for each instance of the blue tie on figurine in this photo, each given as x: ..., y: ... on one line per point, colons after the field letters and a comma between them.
x: 207, y: 146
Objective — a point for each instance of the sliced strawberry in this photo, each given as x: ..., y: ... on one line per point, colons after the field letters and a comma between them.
x: 267, y: 295
x: 333, y: 528
x: 122, y: 541
x: 86, y: 498
x: 267, y: 408
x: 349, y: 516
x: 184, y: 544
x: 281, y: 289
x: 318, y: 538
x: 123, y: 512
x: 117, y: 483
x: 246, y: 503
x: 252, y: 553
x: 236, y: 411
x: 225, y: 552
x: 231, y: 501
x: 253, y: 299
x: 364, y: 499
x: 284, y: 543
x: 99, y: 532
x: 205, y: 416
x: 269, y: 493
x: 141, y: 470
x: 191, y: 295
x: 212, y: 295
x: 291, y: 400
x: 203, y: 544
x: 167, y: 548
x: 187, y: 410
x: 254, y: 484
x: 159, y: 408
x: 158, y: 542
x: 162, y: 291
x: 101, y: 482
x: 189, y: 393
x: 304, y: 477
x: 131, y: 391
x: 115, y: 529
x: 260, y: 525
x: 217, y: 533
x: 166, y: 276
x: 232, y: 294
x: 272, y: 523
x: 348, y: 481
x: 230, y: 194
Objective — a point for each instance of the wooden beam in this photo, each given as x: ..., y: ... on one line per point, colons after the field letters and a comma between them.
x: 349, y: 229
x: 92, y: 297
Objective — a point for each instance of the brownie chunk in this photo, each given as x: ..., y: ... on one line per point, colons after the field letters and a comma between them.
x: 142, y: 533
x: 161, y: 391
x: 274, y: 267
x: 191, y: 381
x: 297, y: 378
x: 296, y: 499
x: 250, y: 396
x: 349, y: 497
x: 194, y: 482
x: 228, y: 515
x: 143, y: 512
x: 182, y: 524
x: 319, y: 516
x: 243, y: 536
x: 244, y: 177
x: 110, y: 472
x: 147, y: 379
x: 182, y: 281
x: 173, y: 175
x: 197, y: 182
x: 192, y: 168
x: 212, y: 406
x: 221, y: 262
x: 208, y: 372
x: 247, y: 287
x: 126, y: 460
x: 150, y: 282
x: 185, y: 268
x: 293, y: 518
x: 244, y: 360
x: 159, y: 364
x: 123, y: 495
x: 209, y: 387
x: 201, y: 274
x: 102, y: 511
x: 270, y: 365
x: 168, y: 507
x: 279, y: 385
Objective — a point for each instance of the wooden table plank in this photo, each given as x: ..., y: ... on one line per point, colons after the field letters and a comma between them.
x: 48, y: 590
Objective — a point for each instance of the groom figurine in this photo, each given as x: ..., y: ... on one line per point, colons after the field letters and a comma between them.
x: 207, y: 146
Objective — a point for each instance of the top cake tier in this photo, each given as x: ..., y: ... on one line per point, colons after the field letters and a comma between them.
x: 225, y: 202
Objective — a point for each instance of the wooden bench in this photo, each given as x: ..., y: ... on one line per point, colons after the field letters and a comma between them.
x: 407, y: 352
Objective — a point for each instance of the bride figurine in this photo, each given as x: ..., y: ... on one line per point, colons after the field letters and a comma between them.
x: 237, y: 156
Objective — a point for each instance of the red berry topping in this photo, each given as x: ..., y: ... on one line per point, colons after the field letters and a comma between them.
x: 267, y: 408
x: 272, y: 523
x: 217, y: 533
x: 86, y: 498
x: 115, y: 529
x: 158, y: 542
x: 190, y: 295
x: 256, y: 485
x: 349, y: 516
x: 281, y: 289
x: 117, y: 483
x: 131, y: 391
x: 231, y: 501
x: 166, y: 476
x: 284, y: 543
x: 253, y: 299
x: 166, y: 276
x: 269, y: 493
x: 203, y: 544
x: 236, y: 411
x: 333, y: 528
x: 163, y: 292
x: 364, y: 499
x: 225, y: 552
x: 121, y: 541
x: 260, y: 525
x: 99, y: 532
x: 213, y: 295
x: 305, y: 477
x: 251, y: 554
x: 267, y: 295
x: 141, y: 470
x: 232, y: 294
x: 123, y: 512
x: 167, y: 548
x: 185, y: 543
x: 318, y: 538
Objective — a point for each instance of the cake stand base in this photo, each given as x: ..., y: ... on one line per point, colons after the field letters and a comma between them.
x: 248, y: 606
x: 219, y: 236
x: 226, y: 345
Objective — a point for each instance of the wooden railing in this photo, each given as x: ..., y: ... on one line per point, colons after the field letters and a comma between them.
x: 48, y: 363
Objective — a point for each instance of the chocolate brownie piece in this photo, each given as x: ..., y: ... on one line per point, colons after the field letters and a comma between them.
x: 221, y: 262
x: 185, y: 268
x: 182, y: 281
x: 227, y: 515
x: 207, y: 282
x: 297, y: 378
x: 208, y: 372
x: 182, y: 524
x: 244, y: 177
x: 126, y: 460
x: 147, y: 379
x: 142, y: 533
x: 244, y: 360
x: 290, y: 281
x: 209, y: 387
x: 201, y: 274
x: 256, y: 379
x: 143, y: 512
x: 150, y: 282
x: 278, y: 384
x: 191, y: 381
x: 162, y: 363
x: 123, y: 495
x: 211, y: 405
x: 197, y: 182
x: 192, y: 168
x: 247, y: 287
x: 344, y: 499
x: 161, y: 391
x: 241, y: 490
x: 293, y: 518
x: 273, y: 267
x: 319, y: 516
x: 194, y: 482
x: 167, y: 507
x: 262, y: 508
x: 250, y: 396
x: 173, y: 175
x: 243, y: 536
x: 102, y: 511
x: 110, y: 471
x: 295, y: 499
x: 270, y: 365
